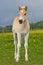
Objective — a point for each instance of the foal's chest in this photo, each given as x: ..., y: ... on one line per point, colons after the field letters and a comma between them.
x: 20, y: 27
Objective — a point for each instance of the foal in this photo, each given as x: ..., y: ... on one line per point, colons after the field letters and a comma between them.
x: 21, y: 26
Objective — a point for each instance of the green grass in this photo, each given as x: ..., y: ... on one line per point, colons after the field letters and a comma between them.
x: 35, y: 50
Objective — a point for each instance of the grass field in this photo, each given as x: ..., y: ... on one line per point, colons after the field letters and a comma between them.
x: 35, y: 49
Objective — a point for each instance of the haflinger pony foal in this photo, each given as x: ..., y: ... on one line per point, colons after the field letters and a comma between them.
x: 21, y: 27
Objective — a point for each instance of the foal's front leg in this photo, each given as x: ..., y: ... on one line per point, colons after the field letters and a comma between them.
x: 15, y: 43
x: 18, y: 46
x: 26, y: 47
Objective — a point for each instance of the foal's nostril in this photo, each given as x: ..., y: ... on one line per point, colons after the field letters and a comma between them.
x: 20, y: 21
x: 25, y: 14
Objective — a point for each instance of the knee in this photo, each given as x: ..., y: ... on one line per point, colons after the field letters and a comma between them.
x: 26, y: 45
x: 14, y: 42
x: 18, y: 45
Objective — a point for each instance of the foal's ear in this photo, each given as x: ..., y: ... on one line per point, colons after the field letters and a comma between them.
x: 19, y: 7
x: 26, y: 8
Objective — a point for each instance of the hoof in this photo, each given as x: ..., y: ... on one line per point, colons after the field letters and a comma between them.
x: 17, y: 59
x: 26, y: 59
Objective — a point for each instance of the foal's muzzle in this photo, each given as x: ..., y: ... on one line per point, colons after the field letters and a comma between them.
x: 20, y: 21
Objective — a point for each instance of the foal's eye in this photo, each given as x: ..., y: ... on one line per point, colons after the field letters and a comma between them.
x: 25, y: 14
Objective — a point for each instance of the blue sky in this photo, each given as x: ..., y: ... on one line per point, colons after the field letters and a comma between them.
x: 9, y: 10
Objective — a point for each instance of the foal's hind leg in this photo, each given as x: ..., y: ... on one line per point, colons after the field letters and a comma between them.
x: 15, y: 44
x: 26, y: 47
